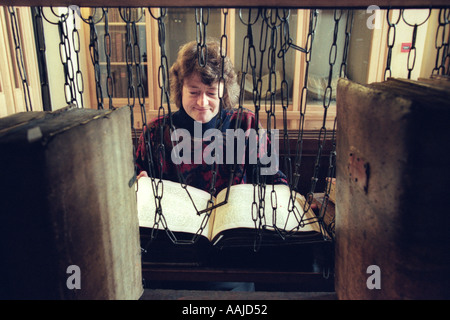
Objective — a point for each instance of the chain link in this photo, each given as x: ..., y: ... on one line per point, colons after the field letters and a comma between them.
x: 294, y: 174
x: 411, y: 60
x: 391, y: 33
x: 285, y: 39
x: 223, y: 55
x: 201, y: 23
x: 326, y: 103
x: 107, y: 45
x: 330, y: 175
x: 19, y: 58
x: 323, y: 130
x: 259, y: 182
x: 442, y: 43
x: 76, y: 43
x: 66, y: 59
x: 249, y: 60
x: 313, y: 18
x: 272, y: 22
x: 92, y: 20
x: 73, y: 77
x: 93, y: 49
x: 348, y: 31
x: 41, y: 48
x: 163, y: 83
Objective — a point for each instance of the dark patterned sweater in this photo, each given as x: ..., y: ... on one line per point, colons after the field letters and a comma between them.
x: 196, y: 152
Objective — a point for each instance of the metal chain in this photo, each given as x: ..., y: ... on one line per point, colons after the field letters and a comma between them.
x: 201, y: 23
x: 390, y: 41
x: 66, y: 60
x: 19, y: 58
x: 158, y: 186
x: 76, y: 43
x: 73, y: 83
x: 131, y: 93
x: 107, y: 45
x: 214, y: 167
x: 285, y: 39
x: 348, y: 31
x: 273, y: 23
x: 330, y: 175
x: 163, y: 82
x: 259, y: 182
x: 411, y: 61
x: 303, y: 97
x: 332, y: 155
x: 94, y: 54
x: 270, y: 23
x: 442, y: 42
x: 41, y: 48
x: 326, y: 103
x: 286, y: 42
x: 223, y: 55
x: 93, y: 49
x: 127, y: 16
x: 270, y: 97
x: 202, y: 55
x: 249, y: 60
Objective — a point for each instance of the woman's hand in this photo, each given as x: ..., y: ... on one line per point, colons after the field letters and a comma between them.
x: 142, y: 174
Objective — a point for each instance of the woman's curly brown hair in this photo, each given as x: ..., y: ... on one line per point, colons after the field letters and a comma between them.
x: 187, y: 64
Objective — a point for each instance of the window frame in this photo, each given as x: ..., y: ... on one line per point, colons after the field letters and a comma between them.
x: 11, y: 90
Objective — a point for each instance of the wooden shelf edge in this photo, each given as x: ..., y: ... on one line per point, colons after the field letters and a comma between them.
x: 165, y: 294
x: 307, y: 280
x: 234, y: 3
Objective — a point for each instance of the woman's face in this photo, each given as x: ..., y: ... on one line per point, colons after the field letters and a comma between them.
x: 200, y: 101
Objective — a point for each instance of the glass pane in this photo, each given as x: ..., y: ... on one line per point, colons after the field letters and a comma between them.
x: 181, y: 28
x: 359, y: 48
x: 118, y: 36
x: 259, y: 28
x: 319, y: 68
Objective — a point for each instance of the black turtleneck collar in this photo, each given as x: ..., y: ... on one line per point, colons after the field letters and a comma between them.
x: 182, y: 120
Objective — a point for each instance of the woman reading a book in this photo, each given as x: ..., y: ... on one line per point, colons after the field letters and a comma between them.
x: 197, y: 91
x: 201, y: 121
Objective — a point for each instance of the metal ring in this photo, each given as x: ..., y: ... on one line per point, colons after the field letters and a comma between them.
x: 416, y: 24
x: 389, y: 20
x: 88, y: 20
x: 162, y: 13
x: 249, y: 23
x: 129, y: 20
x: 59, y: 17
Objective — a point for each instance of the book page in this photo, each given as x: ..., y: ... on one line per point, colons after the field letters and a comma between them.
x: 237, y: 213
x: 177, y: 207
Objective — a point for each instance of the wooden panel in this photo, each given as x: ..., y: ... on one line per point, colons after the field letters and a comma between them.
x: 185, y: 295
x: 66, y: 200
x: 299, y: 280
x: 389, y: 180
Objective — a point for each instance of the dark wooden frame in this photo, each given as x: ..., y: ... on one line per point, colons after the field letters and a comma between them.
x: 234, y: 3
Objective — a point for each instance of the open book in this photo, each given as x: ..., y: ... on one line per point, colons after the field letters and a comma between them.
x: 230, y: 224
